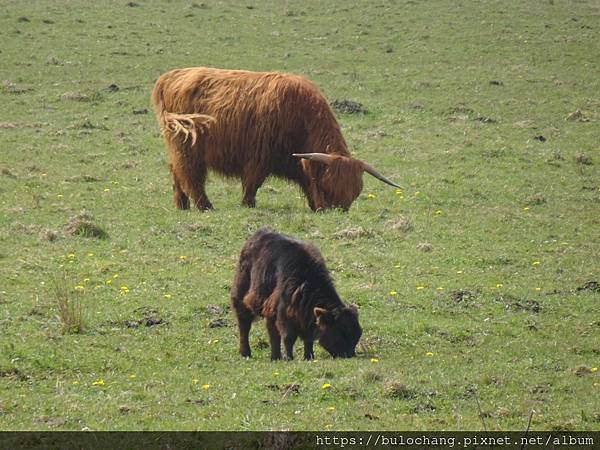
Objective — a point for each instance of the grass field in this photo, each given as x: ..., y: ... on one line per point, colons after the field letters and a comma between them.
x: 477, y: 283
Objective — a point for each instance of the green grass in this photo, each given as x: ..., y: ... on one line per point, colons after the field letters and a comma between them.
x: 511, y: 219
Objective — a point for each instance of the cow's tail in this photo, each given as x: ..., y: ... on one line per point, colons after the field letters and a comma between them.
x: 174, y: 125
x: 186, y: 125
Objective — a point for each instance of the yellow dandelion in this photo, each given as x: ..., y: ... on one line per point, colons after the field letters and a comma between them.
x: 392, y: 293
x: 429, y: 354
x: 183, y: 257
x: 71, y: 255
x: 132, y: 376
x: 106, y: 190
x: 326, y: 386
x: 79, y: 287
x: 459, y: 272
x: 168, y: 296
x: 370, y: 195
x: 499, y: 285
x: 397, y: 266
x: 116, y: 275
x: 60, y: 196
x: 328, y: 426
x: 86, y: 280
x: 420, y: 288
x: 124, y: 288
x: 75, y: 382
x: 331, y: 408
x: 108, y: 281
x: 195, y: 381
x: 526, y: 208
x: 535, y: 263
x: 99, y: 382
x: 439, y: 288
x: 417, y: 193
x: 276, y: 374
x: 438, y: 212
x: 205, y: 386
x: 398, y: 191
x: 374, y: 360
x: 538, y: 289
x: 90, y: 254
x: 594, y: 369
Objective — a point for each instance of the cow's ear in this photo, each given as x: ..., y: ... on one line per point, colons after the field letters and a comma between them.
x: 323, y: 316
x: 305, y: 164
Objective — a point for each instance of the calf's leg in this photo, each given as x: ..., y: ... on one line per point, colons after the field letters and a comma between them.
x: 289, y: 339
x: 274, y: 338
x: 308, y: 350
x: 239, y: 292
x: 244, y: 325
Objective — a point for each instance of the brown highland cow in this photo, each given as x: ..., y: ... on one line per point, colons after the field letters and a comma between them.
x: 251, y: 125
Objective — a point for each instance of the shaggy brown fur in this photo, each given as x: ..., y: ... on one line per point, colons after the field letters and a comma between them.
x: 247, y: 125
x: 286, y: 282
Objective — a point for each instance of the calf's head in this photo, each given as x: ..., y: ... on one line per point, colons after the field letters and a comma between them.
x: 338, y: 330
x: 335, y: 181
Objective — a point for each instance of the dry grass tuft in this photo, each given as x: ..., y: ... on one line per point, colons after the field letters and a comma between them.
x: 70, y: 310
x: 403, y: 224
x: 352, y: 233
x: 397, y: 390
x: 583, y: 159
x: 83, y: 225
x: 48, y: 235
x: 425, y: 247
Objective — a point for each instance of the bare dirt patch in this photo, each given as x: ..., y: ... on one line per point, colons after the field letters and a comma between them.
x: 348, y: 107
x: 462, y: 295
x: 149, y: 317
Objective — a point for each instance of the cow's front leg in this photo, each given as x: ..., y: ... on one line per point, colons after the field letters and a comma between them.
x: 289, y: 339
x: 308, y: 350
x: 251, y: 183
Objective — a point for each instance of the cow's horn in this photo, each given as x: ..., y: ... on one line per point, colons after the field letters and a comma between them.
x: 371, y: 170
x: 319, y: 157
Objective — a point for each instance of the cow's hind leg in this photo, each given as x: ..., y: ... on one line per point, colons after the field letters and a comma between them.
x: 244, y: 324
x: 239, y: 292
x: 274, y: 338
x: 180, y: 198
x: 197, y: 189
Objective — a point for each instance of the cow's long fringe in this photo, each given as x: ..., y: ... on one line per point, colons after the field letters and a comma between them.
x: 188, y: 125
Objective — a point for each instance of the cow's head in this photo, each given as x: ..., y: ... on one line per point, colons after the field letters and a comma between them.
x: 338, y: 330
x: 334, y: 181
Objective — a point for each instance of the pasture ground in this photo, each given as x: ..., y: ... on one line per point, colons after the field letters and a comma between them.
x: 477, y: 283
